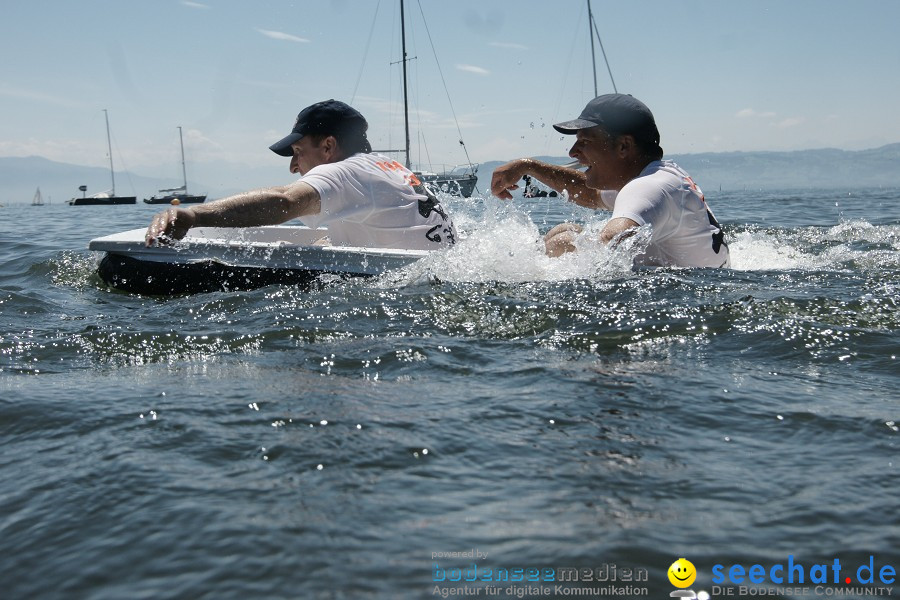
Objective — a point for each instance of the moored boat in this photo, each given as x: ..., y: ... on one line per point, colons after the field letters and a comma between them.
x: 460, y: 181
x: 177, y: 195
x: 104, y: 198
x: 180, y: 194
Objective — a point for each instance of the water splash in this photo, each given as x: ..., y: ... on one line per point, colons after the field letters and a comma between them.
x: 73, y: 269
x: 503, y: 244
x: 502, y: 241
x: 850, y: 244
x: 758, y: 250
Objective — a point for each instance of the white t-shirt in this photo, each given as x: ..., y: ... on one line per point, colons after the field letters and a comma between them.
x: 684, y: 232
x: 373, y: 201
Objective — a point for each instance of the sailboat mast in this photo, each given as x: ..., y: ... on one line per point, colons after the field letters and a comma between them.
x: 591, y: 35
x: 405, y: 93
x: 112, y: 172
x: 592, y: 28
x: 183, y: 170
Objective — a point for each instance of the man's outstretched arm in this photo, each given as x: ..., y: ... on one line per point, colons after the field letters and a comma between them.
x: 267, y: 206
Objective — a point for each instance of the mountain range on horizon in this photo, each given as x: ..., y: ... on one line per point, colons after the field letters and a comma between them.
x: 797, y: 169
x: 20, y: 176
x: 822, y: 168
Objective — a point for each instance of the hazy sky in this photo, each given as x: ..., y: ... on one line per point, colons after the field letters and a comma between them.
x: 720, y: 75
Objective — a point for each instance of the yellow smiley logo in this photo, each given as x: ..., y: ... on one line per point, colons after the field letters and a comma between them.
x: 682, y: 573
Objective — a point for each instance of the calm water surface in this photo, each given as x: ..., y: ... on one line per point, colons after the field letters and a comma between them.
x: 571, y: 413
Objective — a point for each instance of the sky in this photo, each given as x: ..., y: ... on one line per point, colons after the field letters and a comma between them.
x: 719, y: 75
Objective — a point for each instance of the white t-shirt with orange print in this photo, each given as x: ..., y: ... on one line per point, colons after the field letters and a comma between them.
x: 683, y: 231
x: 373, y: 201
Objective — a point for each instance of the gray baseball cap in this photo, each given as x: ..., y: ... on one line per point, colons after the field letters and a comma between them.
x: 617, y: 114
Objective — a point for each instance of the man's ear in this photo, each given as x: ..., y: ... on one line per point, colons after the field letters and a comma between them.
x: 331, y: 147
x: 626, y: 145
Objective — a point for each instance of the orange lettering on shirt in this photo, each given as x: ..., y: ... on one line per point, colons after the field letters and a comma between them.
x: 390, y: 166
x: 393, y: 165
x: 688, y: 180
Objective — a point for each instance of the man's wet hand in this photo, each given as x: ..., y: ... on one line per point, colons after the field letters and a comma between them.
x: 169, y: 225
x: 506, y: 178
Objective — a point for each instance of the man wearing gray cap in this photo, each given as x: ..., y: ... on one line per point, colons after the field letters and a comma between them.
x: 618, y: 141
x: 364, y: 199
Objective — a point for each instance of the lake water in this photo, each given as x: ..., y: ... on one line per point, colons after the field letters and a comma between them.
x: 358, y: 440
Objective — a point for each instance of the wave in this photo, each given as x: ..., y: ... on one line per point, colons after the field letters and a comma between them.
x: 848, y: 245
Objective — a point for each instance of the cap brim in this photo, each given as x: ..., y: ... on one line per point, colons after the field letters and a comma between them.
x: 283, y: 146
x: 570, y: 127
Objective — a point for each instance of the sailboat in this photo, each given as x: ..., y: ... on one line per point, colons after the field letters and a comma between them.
x: 180, y: 194
x: 38, y: 199
x: 459, y: 181
x: 109, y: 197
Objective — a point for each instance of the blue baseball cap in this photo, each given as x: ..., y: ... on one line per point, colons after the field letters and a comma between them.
x: 329, y: 117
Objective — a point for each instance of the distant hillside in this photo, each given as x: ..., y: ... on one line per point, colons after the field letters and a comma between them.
x: 826, y: 168
x: 19, y: 176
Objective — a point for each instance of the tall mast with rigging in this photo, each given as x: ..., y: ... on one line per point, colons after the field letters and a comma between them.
x: 463, y: 183
x: 405, y: 93
x: 183, y: 169
x: 592, y: 31
x: 112, y: 172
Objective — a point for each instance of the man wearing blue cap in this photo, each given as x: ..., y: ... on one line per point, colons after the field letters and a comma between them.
x: 364, y: 199
x: 618, y: 141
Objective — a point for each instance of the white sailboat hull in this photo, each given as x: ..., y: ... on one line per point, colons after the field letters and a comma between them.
x: 212, y: 258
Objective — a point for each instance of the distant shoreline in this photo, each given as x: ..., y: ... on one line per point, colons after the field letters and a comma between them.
x: 826, y: 168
